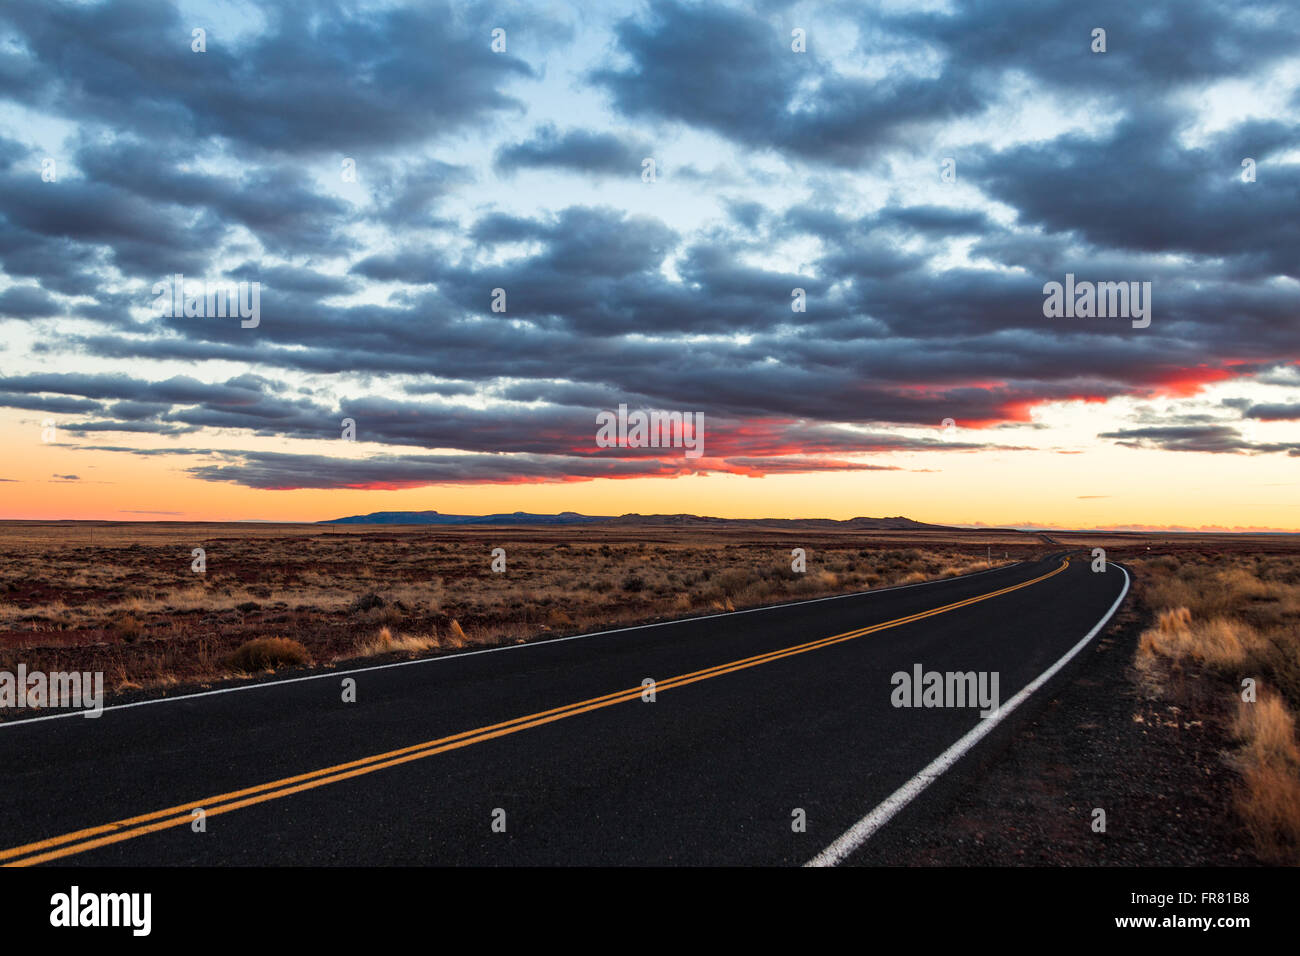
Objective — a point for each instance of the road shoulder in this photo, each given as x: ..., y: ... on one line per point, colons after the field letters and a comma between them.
x: 1096, y: 740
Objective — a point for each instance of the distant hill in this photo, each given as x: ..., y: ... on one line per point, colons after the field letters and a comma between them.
x: 434, y: 517
x: 681, y: 521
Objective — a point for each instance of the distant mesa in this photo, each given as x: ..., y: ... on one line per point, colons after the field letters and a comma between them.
x: 434, y: 517
x: 681, y: 520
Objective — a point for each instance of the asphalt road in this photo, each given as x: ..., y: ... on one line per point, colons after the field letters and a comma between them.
x: 755, y: 715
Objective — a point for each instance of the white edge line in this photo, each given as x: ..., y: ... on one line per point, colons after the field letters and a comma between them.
x: 865, y: 828
x: 489, y: 650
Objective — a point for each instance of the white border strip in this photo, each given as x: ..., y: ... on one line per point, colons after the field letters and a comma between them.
x: 490, y: 650
x: 864, y: 829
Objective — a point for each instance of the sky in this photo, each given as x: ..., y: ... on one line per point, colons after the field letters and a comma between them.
x: 828, y: 230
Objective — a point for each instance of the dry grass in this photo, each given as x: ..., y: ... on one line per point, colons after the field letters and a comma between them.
x: 1268, y: 731
x: 1221, y: 644
x: 385, y: 643
x: 264, y: 653
x: 456, y: 639
x: 1269, y: 761
x: 128, y: 628
x: 123, y: 598
x: 1233, y: 619
x: 1270, y: 806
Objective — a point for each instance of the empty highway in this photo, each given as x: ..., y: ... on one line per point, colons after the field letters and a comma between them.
x: 772, y: 737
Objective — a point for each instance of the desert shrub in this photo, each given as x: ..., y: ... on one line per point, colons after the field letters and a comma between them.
x: 263, y: 652
x: 733, y: 580
x: 1268, y: 730
x: 1221, y: 644
x: 128, y: 628
x: 367, y: 602
x: 1269, y: 804
x: 385, y: 643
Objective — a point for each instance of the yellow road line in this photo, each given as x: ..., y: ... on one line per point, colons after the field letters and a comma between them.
x: 90, y: 838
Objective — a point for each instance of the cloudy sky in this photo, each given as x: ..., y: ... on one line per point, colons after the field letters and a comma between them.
x: 919, y: 170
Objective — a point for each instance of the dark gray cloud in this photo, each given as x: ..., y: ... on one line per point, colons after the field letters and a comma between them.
x: 734, y: 73
x: 12, y: 151
x: 273, y: 202
x: 747, y: 213
x: 1155, y: 49
x: 1210, y: 438
x: 577, y: 150
x: 1162, y: 197
x: 62, y: 404
x: 1273, y: 413
x: 294, y: 279
x: 407, y: 195
x: 139, y: 234
x: 272, y: 471
x: 327, y: 76
x: 27, y: 302
x: 59, y: 264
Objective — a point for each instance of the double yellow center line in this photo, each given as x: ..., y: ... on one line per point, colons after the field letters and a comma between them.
x: 81, y: 841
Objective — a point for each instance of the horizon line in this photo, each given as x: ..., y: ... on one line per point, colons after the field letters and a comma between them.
x: 958, y: 526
